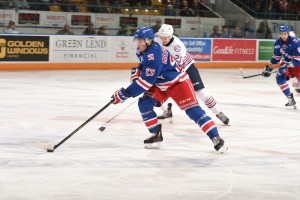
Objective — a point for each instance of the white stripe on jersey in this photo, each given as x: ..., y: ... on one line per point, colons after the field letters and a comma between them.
x: 178, y: 51
x: 144, y: 84
x: 180, y: 78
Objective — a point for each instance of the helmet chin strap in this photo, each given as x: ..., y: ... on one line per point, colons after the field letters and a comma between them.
x: 147, y: 40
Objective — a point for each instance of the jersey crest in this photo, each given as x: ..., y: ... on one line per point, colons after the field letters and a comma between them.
x: 150, y: 71
x: 177, y: 48
x: 151, y: 56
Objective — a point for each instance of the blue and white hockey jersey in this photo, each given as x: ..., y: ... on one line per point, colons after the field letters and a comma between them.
x: 157, y: 67
x: 290, y: 51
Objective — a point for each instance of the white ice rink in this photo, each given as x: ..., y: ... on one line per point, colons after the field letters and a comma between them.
x: 263, y: 160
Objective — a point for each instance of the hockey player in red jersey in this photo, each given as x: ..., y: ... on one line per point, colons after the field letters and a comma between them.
x: 288, y: 48
x: 175, y: 46
x: 158, y: 78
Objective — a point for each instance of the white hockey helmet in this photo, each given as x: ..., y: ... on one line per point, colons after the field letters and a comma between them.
x: 292, y: 33
x: 166, y: 30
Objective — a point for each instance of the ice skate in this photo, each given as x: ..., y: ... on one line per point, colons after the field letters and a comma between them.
x: 223, y: 118
x: 291, y: 102
x: 155, y: 140
x: 167, y: 116
x: 296, y: 84
x: 219, y: 144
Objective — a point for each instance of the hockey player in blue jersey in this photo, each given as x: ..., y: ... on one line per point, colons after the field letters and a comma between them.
x: 159, y: 78
x: 286, y: 47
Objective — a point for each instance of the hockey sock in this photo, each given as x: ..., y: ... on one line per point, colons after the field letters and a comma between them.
x: 285, y: 89
x: 151, y: 121
x: 205, y: 122
x: 281, y: 82
x: 164, y: 106
x: 146, y: 107
x: 208, y: 100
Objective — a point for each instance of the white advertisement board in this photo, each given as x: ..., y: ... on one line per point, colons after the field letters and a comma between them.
x: 91, y: 49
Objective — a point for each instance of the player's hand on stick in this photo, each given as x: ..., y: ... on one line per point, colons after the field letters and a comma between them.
x: 267, y: 71
x: 135, y: 74
x: 120, y: 96
x: 282, y: 69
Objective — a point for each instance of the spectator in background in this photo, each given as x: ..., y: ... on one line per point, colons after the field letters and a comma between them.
x: 89, y: 30
x: 157, y: 25
x: 258, y: 9
x: 225, y: 32
x: 271, y: 12
x: 22, y: 4
x: 65, y: 31
x: 296, y: 5
x: 237, y: 33
x: 169, y: 11
x: 215, y: 33
x: 197, y: 8
x: 11, y: 28
x: 34, y: 5
x: 185, y: 10
x: 176, y: 7
x: 283, y: 10
x: 263, y: 31
x: 123, y: 31
x: 248, y: 29
x: 101, y: 31
x: 146, y: 3
x: 69, y: 6
x: 44, y: 4
x: 94, y: 6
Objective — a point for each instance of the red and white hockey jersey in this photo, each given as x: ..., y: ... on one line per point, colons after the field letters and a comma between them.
x: 178, y: 51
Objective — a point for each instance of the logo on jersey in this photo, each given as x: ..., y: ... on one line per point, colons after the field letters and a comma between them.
x: 150, y: 72
x: 185, y: 100
x: 277, y: 46
x: 177, y: 48
x: 298, y: 49
x: 161, y: 77
x: 151, y: 57
x: 141, y: 59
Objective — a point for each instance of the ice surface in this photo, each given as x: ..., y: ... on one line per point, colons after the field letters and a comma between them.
x: 262, y: 162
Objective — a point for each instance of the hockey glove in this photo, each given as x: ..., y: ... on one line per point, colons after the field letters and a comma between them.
x: 120, y: 96
x: 267, y: 71
x: 135, y: 74
x: 282, y: 69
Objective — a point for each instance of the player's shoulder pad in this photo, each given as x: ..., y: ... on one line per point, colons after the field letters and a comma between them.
x: 277, y: 44
x: 295, y: 40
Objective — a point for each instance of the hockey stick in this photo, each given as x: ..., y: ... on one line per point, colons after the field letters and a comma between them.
x: 102, y: 128
x: 51, y: 148
x: 244, y: 77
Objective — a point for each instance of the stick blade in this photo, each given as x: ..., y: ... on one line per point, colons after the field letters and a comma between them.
x: 241, y: 70
x: 45, y: 146
x: 102, y: 128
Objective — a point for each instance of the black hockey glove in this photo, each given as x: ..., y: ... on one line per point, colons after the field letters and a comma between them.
x: 267, y: 71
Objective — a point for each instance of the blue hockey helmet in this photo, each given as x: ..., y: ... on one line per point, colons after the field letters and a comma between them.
x: 284, y: 28
x: 144, y: 33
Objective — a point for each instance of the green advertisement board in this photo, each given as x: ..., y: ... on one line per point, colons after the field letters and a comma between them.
x: 265, y: 50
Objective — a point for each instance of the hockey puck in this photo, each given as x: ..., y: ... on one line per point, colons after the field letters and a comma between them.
x: 102, y: 128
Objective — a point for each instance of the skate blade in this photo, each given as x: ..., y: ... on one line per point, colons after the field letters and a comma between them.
x: 225, y: 122
x: 293, y: 107
x: 223, y: 149
x: 166, y: 120
x: 156, y: 145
